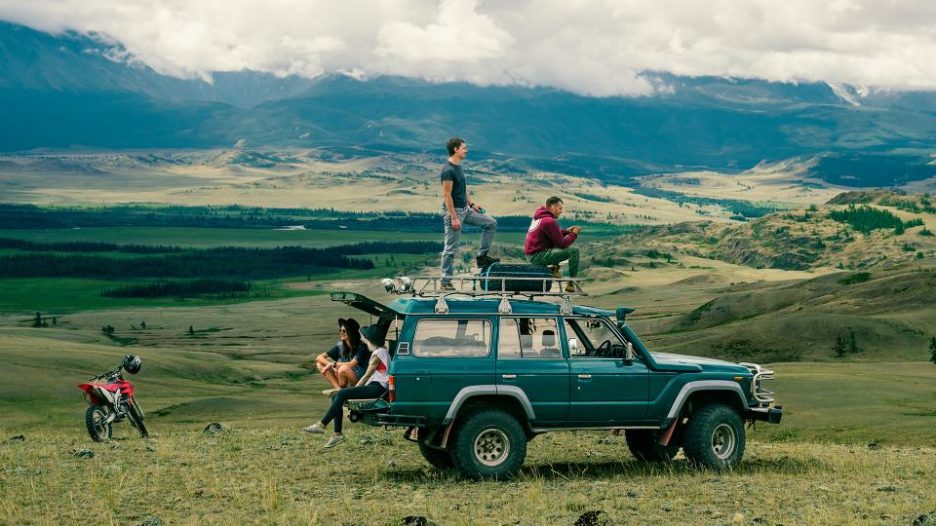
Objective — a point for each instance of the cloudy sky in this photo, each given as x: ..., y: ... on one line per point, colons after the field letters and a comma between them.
x: 593, y: 47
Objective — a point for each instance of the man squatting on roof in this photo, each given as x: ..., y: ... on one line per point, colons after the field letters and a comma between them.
x: 547, y: 244
x: 460, y: 210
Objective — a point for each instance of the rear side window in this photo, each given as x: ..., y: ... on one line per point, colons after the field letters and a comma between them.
x: 452, y: 338
x: 528, y: 338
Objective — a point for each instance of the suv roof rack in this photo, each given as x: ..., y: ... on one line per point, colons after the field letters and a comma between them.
x: 431, y: 287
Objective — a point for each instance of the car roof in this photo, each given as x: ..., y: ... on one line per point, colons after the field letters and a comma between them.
x: 409, y: 306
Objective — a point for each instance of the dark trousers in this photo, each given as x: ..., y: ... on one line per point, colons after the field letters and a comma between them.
x: 371, y: 390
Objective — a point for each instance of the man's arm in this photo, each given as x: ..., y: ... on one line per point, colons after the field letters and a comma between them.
x: 555, y: 234
x: 450, y: 204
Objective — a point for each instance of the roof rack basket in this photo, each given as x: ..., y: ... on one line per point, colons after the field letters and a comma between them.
x: 431, y: 286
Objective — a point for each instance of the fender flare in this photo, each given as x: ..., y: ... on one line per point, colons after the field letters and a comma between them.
x: 480, y: 390
x: 704, y: 385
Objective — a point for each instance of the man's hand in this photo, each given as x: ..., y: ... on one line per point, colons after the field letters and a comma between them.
x: 575, y: 229
x: 476, y: 207
x: 456, y: 224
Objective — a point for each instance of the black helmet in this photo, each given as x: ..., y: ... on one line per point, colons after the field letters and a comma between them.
x: 132, y: 363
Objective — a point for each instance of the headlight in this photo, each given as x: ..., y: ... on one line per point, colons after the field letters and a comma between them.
x: 758, y: 391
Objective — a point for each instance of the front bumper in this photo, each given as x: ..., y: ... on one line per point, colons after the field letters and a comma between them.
x: 771, y: 415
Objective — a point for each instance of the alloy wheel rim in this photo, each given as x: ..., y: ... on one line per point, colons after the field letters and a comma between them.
x: 491, y: 447
x: 723, y: 441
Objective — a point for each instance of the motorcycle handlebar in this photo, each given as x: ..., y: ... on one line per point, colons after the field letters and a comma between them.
x: 113, y: 372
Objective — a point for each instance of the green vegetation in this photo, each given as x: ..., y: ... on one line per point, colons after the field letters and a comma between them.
x: 216, y: 287
x: 858, y: 277
x: 207, y: 263
x: 16, y: 216
x: 866, y: 219
x: 741, y: 209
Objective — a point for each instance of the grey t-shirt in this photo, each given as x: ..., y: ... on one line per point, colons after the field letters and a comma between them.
x: 453, y: 172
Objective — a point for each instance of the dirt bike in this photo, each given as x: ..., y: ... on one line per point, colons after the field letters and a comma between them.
x: 110, y: 399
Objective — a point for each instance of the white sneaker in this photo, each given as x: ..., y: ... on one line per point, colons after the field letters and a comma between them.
x: 331, y: 392
x: 314, y: 428
x: 334, y: 441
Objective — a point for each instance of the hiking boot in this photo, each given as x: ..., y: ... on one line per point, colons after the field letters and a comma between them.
x: 485, y: 261
x: 314, y: 428
x: 447, y: 287
x: 556, y: 273
x: 334, y: 441
x: 571, y: 288
x: 331, y: 392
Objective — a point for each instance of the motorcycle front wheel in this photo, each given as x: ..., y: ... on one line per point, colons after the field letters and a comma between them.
x: 136, y: 418
x: 96, y: 420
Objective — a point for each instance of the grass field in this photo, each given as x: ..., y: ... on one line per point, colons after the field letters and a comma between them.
x: 814, y: 468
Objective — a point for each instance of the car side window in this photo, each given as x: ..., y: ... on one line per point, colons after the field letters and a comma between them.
x: 593, y: 338
x: 452, y: 338
x: 529, y: 338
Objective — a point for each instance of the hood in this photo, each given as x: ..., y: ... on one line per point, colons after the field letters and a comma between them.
x: 707, y: 364
x: 542, y: 212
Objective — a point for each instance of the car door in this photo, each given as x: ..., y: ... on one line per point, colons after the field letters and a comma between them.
x: 448, y: 353
x: 529, y: 357
x: 605, y: 390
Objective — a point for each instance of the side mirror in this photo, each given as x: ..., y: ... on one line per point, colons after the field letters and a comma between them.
x: 628, y: 353
x: 573, y: 347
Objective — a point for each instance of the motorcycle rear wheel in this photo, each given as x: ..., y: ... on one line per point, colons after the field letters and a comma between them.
x: 96, y: 420
x: 136, y: 418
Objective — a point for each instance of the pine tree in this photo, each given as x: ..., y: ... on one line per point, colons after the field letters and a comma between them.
x: 933, y: 349
x: 852, y: 343
x: 839, y: 348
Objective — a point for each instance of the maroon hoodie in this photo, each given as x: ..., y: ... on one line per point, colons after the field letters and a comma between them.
x: 544, y: 233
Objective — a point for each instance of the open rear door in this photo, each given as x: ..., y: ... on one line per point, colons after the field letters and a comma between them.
x: 387, y: 318
x: 360, y: 302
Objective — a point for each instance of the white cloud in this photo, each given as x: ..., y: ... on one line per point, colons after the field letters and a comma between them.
x: 595, y: 47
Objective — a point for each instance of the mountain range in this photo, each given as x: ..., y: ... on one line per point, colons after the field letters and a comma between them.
x: 84, y: 91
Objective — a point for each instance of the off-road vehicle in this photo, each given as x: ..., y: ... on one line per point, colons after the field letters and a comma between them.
x: 477, y: 374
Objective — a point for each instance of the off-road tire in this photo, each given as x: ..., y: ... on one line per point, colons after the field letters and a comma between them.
x: 489, y: 444
x: 95, y: 417
x: 715, y: 438
x: 643, y: 445
x: 136, y: 418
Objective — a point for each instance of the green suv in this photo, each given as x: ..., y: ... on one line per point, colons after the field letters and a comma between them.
x: 474, y: 379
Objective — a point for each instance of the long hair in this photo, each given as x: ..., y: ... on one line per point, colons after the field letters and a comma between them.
x: 354, y: 337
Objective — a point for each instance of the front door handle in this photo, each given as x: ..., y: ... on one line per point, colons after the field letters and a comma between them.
x: 509, y: 376
x: 584, y: 377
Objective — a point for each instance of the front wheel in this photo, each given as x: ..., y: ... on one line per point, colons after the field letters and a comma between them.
x: 489, y: 444
x: 715, y: 437
x: 136, y: 418
x: 96, y: 420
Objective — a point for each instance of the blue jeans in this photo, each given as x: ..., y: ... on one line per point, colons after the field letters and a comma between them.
x: 467, y: 216
x: 371, y: 390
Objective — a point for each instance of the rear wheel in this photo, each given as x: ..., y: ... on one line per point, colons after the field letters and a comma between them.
x: 96, y: 420
x: 715, y: 437
x: 489, y: 444
x: 136, y: 418
x: 643, y: 444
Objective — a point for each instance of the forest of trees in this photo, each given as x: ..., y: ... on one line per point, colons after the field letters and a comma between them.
x: 16, y: 216
x: 866, y: 219
x: 229, y: 262
x: 180, y: 289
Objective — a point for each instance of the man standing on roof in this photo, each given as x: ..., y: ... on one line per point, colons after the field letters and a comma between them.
x: 460, y: 210
x: 547, y: 244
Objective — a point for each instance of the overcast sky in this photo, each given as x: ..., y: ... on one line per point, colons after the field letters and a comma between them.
x: 593, y: 47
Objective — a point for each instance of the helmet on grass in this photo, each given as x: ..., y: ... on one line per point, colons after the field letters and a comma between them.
x: 132, y: 363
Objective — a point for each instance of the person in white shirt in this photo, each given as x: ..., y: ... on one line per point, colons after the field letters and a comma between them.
x: 373, y: 384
